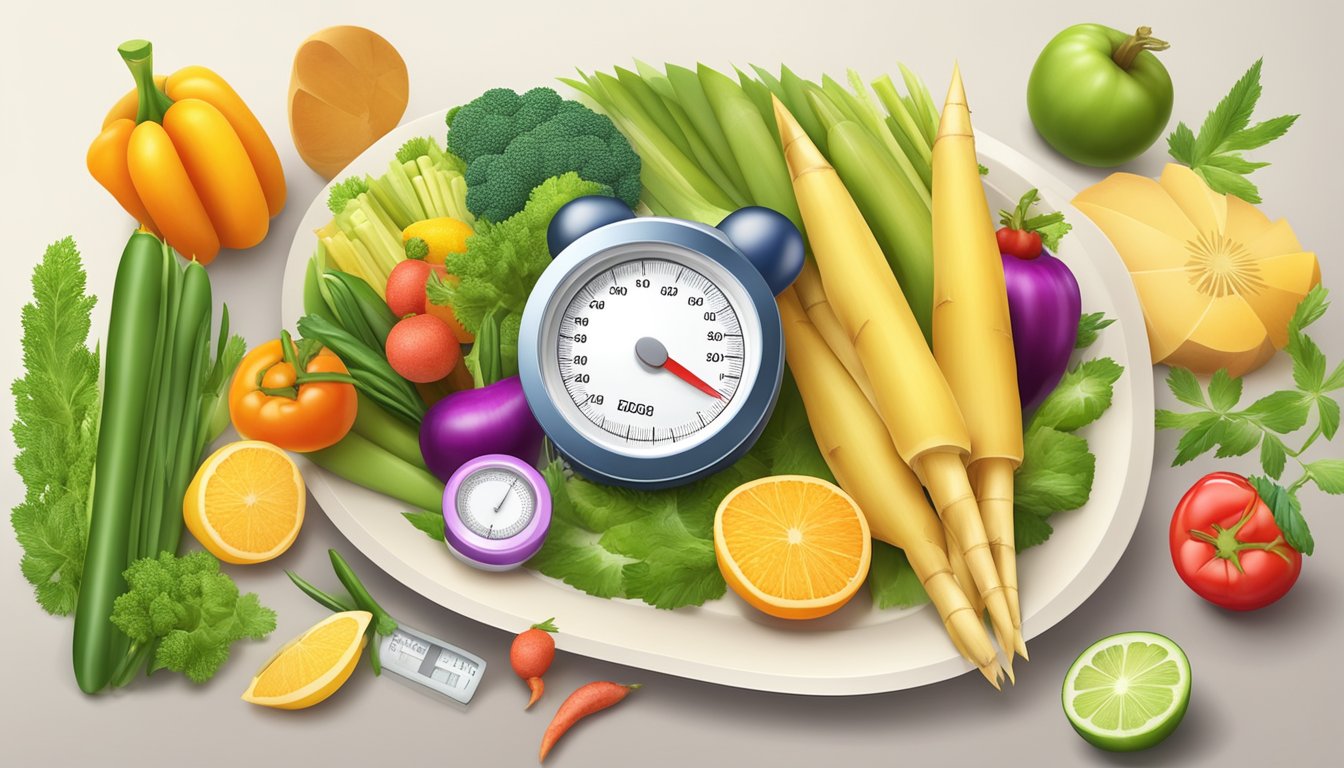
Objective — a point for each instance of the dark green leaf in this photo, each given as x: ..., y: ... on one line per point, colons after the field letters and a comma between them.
x: 1185, y: 387
x: 1197, y: 441
x: 1329, y: 411
x: 1081, y: 396
x: 1224, y: 391
x: 1328, y: 474
x: 1089, y: 327
x: 1281, y: 412
x: 1030, y: 529
x: 1238, y: 438
x: 1287, y: 513
x: 891, y: 580
x: 1273, y: 456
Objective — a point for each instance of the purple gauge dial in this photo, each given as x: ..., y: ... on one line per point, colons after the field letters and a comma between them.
x: 496, y: 511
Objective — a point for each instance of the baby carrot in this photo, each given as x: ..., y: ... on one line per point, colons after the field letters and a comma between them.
x: 587, y: 699
x: 531, y: 655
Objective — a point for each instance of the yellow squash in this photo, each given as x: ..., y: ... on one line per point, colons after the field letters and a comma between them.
x: 1217, y: 279
x: 187, y: 158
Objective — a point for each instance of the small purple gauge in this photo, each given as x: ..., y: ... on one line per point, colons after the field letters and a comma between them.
x: 496, y: 511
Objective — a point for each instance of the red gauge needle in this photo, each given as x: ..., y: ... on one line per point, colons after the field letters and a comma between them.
x: 652, y: 353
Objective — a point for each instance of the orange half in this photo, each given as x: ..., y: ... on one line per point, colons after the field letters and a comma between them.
x: 792, y: 546
x: 246, y: 502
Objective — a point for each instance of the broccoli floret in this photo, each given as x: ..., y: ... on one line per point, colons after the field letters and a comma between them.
x: 511, y: 143
x: 345, y: 191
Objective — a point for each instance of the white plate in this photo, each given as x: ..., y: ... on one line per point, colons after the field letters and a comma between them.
x: 857, y: 650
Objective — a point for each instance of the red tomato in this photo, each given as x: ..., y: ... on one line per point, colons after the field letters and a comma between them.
x: 1227, y: 547
x: 1023, y: 244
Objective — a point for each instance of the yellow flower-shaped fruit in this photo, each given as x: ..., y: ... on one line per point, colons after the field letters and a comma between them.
x: 1217, y: 279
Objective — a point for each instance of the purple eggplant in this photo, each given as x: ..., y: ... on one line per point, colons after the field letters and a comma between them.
x: 476, y: 422
x: 1044, y: 305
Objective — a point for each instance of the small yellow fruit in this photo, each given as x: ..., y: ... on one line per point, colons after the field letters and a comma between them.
x: 246, y: 503
x: 1218, y: 281
x: 312, y: 666
x: 443, y: 235
x: 792, y: 546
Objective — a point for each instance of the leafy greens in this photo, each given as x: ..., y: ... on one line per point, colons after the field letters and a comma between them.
x: 1217, y: 424
x: 1215, y: 154
x: 56, y: 428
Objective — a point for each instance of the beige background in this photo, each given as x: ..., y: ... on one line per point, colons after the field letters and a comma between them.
x: 1266, y: 684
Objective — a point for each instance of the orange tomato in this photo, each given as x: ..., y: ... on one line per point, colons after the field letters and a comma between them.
x: 301, y: 412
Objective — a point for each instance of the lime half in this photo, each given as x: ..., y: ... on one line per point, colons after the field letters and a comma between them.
x: 1128, y: 691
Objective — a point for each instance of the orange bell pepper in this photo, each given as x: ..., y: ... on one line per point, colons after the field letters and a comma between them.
x: 185, y: 156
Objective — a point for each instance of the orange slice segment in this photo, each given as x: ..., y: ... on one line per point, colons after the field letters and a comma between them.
x: 246, y: 503
x: 312, y: 666
x: 792, y: 546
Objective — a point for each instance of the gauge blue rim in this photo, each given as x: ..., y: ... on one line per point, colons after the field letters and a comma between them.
x: 733, y: 440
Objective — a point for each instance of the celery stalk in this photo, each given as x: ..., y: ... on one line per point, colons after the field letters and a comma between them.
x: 424, y: 196
x: 653, y: 107
x: 705, y: 157
x: 691, y: 97
x: 795, y: 98
x: 872, y: 120
x: 926, y: 113
x: 656, y: 80
x: 754, y: 144
x: 427, y: 174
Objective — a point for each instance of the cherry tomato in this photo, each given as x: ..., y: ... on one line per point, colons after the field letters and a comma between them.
x: 1226, y: 546
x: 1024, y: 244
x: 300, y: 412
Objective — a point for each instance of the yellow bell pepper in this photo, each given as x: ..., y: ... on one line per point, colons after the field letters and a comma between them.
x: 185, y: 156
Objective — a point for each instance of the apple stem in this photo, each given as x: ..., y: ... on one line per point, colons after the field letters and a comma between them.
x: 1141, y: 40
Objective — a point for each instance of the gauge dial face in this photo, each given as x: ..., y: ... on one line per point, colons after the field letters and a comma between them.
x: 652, y: 349
x: 496, y: 503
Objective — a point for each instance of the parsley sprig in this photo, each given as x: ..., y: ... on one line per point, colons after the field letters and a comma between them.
x: 1050, y: 226
x: 1215, y: 154
x: 1218, y: 425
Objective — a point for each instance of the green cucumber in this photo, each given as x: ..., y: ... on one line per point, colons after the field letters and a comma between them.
x: 137, y: 297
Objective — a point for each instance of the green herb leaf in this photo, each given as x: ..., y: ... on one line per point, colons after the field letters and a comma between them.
x: 430, y: 523
x: 1238, y: 438
x: 1050, y: 226
x: 1224, y: 391
x: 1030, y: 529
x: 1185, y: 387
x: 1214, y: 153
x: 672, y: 566
x: 1081, y: 396
x: 1173, y: 420
x: 1308, y: 363
x: 1273, y: 456
x: 1089, y: 328
x: 892, y: 581
x: 1281, y: 412
x: 56, y: 411
x: 1310, y: 309
x: 1056, y: 472
x: 1335, y: 380
x: 1328, y: 474
x: 1199, y: 440
x: 1287, y: 514
x: 1329, y: 415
